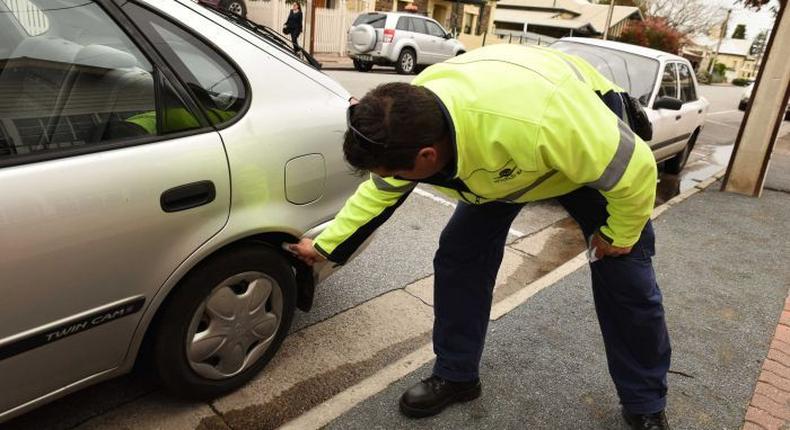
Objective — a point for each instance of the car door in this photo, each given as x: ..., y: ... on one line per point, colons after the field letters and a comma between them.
x: 423, y: 40
x: 446, y: 46
x: 665, y: 122
x: 692, y: 111
x: 112, y: 176
x: 438, y: 42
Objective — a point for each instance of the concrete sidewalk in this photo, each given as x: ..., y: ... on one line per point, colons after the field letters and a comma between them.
x: 334, y: 62
x: 722, y: 265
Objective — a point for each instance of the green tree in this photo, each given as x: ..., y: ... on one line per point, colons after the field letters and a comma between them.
x: 740, y: 32
x: 758, y: 46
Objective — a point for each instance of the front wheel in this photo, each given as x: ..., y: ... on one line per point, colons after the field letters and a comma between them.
x: 225, y: 322
x: 407, y: 62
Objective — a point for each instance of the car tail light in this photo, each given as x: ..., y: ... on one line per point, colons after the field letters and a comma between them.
x: 389, y: 34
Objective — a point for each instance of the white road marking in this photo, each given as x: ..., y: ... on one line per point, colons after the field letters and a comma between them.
x: 331, y: 409
x: 722, y: 112
x: 442, y: 201
x: 722, y: 123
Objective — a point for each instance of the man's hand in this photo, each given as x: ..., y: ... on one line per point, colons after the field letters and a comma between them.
x: 305, y: 251
x: 605, y: 249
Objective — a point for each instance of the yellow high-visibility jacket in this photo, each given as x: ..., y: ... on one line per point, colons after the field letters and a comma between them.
x: 527, y: 125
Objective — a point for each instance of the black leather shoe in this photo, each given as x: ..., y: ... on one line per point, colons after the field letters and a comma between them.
x: 432, y: 395
x: 657, y: 421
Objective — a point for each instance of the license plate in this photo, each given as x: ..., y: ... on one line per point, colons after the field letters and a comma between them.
x: 364, y: 58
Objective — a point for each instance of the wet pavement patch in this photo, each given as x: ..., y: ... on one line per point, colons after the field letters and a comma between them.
x: 313, y: 391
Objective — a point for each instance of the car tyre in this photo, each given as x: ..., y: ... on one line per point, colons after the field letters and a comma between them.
x: 676, y: 164
x: 362, y: 66
x: 224, y: 322
x: 407, y: 62
x: 236, y: 6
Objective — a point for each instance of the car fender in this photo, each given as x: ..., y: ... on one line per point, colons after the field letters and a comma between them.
x: 404, y: 43
x: 459, y: 47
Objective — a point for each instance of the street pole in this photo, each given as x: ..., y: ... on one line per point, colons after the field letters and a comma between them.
x: 757, y: 136
x: 608, y: 20
x: 718, y: 45
x: 312, y: 27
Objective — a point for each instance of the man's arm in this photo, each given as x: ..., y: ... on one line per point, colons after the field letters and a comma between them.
x: 371, y: 205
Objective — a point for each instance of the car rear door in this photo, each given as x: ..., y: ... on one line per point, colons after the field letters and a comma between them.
x: 112, y: 176
x: 666, y: 123
x: 423, y: 40
x: 693, y: 107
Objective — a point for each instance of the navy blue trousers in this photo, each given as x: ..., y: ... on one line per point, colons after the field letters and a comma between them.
x: 627, y: 298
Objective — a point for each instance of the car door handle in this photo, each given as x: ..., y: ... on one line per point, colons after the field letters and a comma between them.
x: 699, y: 111
x: 677, y: 117
x: 188, y: 196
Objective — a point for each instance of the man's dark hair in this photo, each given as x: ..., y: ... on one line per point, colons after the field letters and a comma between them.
x: 400, y: 119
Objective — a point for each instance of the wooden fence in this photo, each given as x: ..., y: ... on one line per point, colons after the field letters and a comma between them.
x: 331, y: 24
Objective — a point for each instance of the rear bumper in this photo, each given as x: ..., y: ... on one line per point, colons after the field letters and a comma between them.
x: 381, y: 56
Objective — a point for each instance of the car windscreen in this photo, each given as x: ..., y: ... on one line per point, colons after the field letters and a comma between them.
x: 634, y: 73
x: 376, y: 20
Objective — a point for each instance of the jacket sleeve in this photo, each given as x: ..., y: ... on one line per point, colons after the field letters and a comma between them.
x: 371, y: 205
x: 581, y: 138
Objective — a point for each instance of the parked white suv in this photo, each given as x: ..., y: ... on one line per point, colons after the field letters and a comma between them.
x: 663, y: 83
x: 404, y: 40
x: 154, y: 156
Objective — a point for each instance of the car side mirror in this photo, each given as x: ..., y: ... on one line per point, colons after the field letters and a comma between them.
x: 448, y: 36
x: 670, y: 103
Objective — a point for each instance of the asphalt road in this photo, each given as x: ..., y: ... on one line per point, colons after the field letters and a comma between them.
x: 400, y: 254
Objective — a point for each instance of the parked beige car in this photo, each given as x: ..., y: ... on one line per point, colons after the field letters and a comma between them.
x: 154, y: 156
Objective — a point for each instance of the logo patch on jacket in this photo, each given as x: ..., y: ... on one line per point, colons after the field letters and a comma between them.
x: 506, y: 174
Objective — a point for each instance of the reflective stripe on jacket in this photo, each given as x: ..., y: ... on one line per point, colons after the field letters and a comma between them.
x: 529, y: 125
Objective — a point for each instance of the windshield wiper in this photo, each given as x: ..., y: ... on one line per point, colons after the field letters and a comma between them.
x: 268, y: 34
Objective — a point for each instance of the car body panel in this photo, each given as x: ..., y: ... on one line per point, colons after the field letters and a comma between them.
x: 108, y: 216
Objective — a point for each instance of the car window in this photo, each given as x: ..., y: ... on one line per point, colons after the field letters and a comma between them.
x: 69, y: 89
x: 29, y: 17
x: 434, y: 29
x: 687, y: 90
x: 634, y: 73
x: 376, y: 20
x: 669, y: 82
x: 418, y: 25
x: 404, y: 23
x: 214, y: 82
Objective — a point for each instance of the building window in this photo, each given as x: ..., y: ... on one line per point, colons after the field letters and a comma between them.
x: 469, y: 22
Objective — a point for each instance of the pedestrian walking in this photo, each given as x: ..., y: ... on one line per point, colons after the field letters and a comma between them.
x: 496, y: 128
x: 293, y: 25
